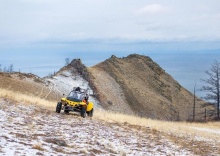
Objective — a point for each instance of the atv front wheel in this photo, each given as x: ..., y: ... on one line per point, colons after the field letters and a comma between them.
x: 90, y: 113
x: 59, y: 106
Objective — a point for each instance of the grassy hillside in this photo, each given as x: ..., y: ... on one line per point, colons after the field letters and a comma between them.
x: 178, y: 137
x: 129, y: 88
x: 147, y: 89
x: 28, y: 84
x: 132, y: 85
x: 177, y: 128
x: 18, y: 97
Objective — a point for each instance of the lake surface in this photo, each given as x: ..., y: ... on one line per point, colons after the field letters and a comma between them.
x: 185, y: 67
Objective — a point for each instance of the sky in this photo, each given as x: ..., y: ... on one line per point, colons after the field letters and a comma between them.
x: 32, y: 22
x: 35, y: 34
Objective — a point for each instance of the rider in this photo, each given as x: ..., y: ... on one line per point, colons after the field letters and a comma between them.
x: 86, y: 99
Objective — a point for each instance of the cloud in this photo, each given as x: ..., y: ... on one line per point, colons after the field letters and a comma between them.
x: 152, y: 9
x: 25, y: 21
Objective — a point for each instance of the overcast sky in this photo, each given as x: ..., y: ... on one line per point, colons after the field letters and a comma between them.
x: 24, y: 22
x: 96, y: 29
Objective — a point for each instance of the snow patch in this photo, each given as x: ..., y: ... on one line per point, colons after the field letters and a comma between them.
x: 216, y: 131
x: 42, y: 133
x: 64, y: 82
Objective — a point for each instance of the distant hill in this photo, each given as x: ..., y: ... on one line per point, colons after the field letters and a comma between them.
x: 132, y: 85
x: 136, y: 84
x: 28, y: 84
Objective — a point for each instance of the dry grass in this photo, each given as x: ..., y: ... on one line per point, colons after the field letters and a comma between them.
x: 27, y: 84
x: 180, y: 129
x: 38, y: 146
x: 26, y: 99
x: 198, y: 138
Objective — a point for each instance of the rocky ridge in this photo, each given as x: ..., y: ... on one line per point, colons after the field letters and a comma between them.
x: 145, y: 87
x: 132, y: 85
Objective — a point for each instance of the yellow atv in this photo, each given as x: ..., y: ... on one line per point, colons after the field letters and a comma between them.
x: 76, y: 101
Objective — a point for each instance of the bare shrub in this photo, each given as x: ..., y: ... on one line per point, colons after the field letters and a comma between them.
x: 38, y: 146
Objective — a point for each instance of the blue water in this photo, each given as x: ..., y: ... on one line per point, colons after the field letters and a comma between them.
x: 188, y: 68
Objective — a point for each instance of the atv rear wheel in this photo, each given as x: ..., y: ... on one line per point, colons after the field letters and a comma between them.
x: 66, y: 109
x: 83, y: 112
x: 59, y: 106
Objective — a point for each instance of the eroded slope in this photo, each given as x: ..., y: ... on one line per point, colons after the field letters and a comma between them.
x: 146, y: 88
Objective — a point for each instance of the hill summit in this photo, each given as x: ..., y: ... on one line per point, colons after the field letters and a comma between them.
x: 136, y: 84
x: 132, y: 85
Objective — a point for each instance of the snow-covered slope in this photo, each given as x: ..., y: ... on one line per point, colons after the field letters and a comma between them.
x: 64, y: 82
x: 27, y: 130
